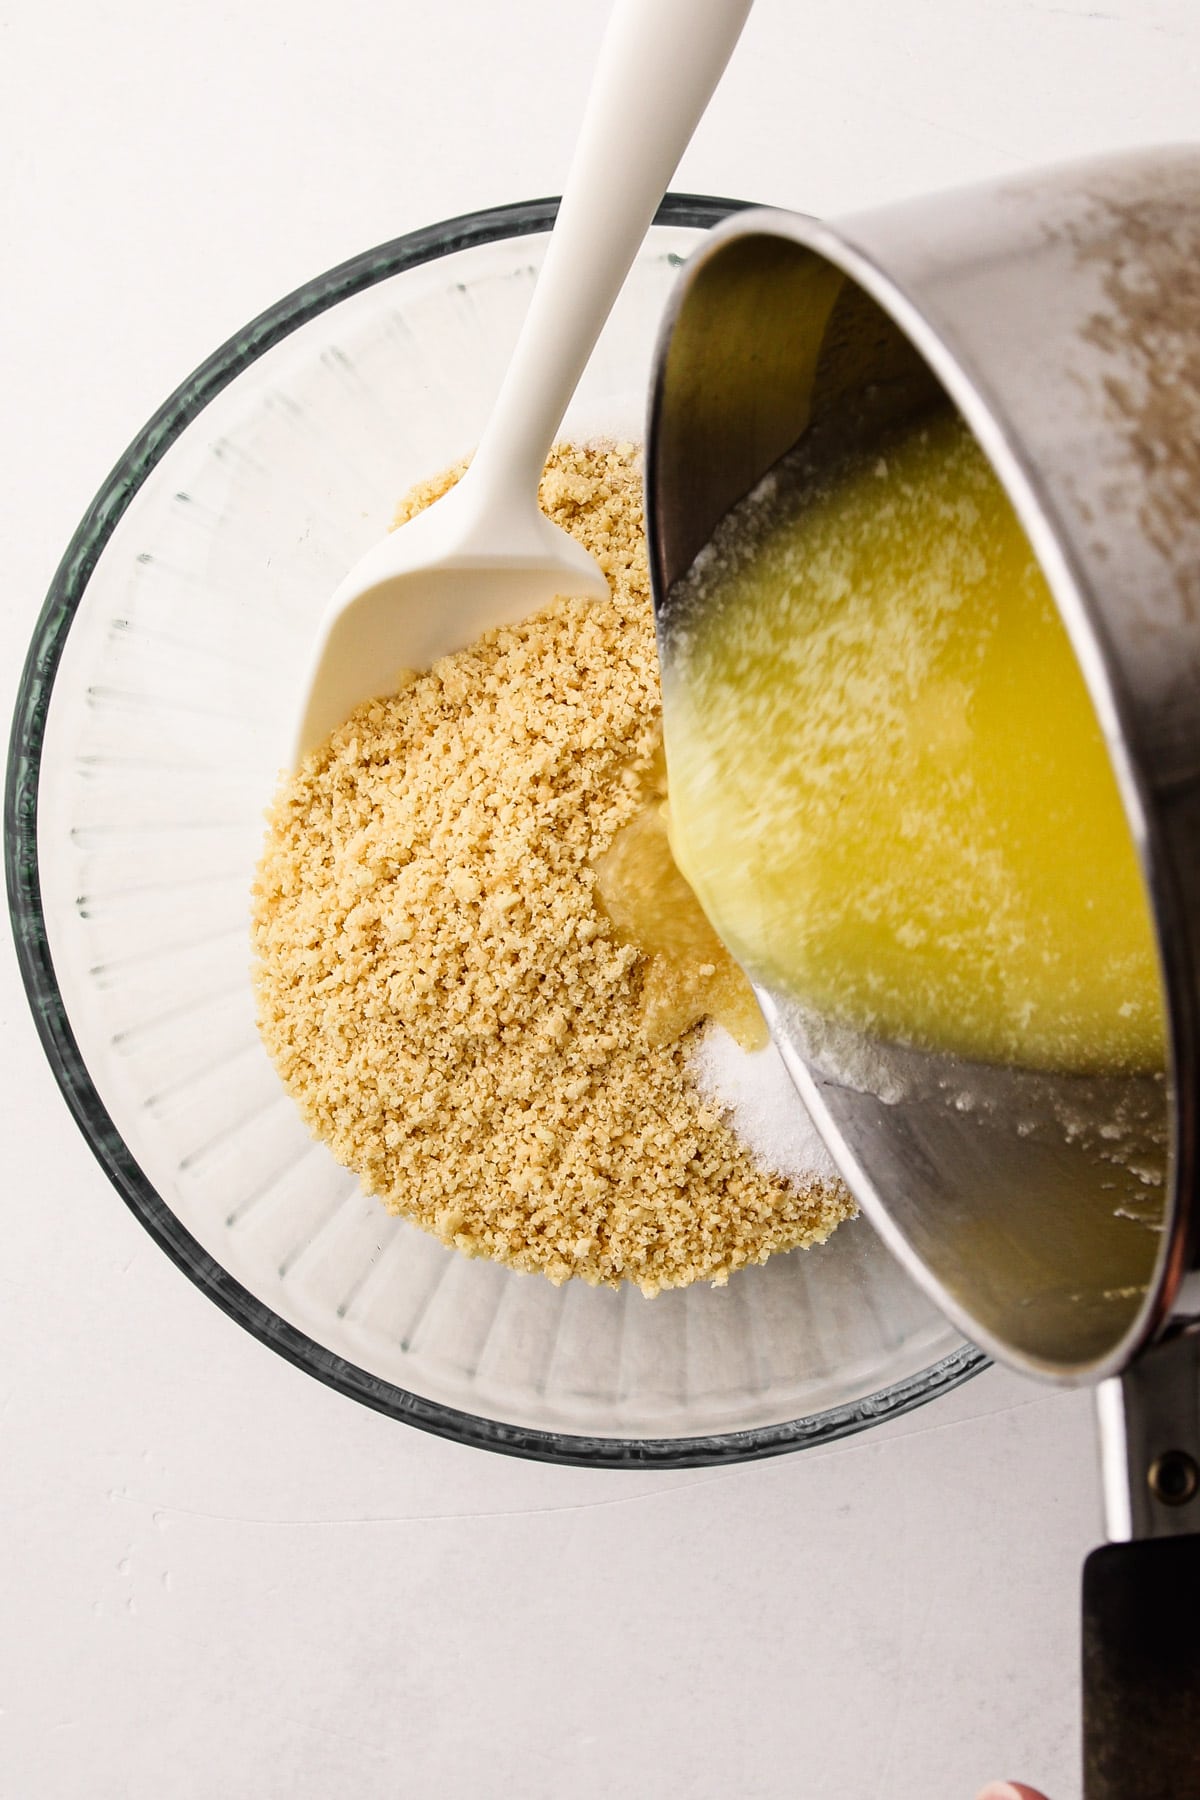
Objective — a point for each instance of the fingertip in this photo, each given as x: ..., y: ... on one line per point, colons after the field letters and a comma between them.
x: 1009, y: 1790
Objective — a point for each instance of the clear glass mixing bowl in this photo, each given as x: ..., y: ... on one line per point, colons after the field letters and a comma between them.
x: 150, y: 725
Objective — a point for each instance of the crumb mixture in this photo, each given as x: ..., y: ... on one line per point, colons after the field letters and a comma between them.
x: 443, y: 998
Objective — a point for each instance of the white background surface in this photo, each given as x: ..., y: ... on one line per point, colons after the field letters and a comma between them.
x: 216, y: 1578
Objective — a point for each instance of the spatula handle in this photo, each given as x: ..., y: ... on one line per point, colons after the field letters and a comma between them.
x: 659, y: 63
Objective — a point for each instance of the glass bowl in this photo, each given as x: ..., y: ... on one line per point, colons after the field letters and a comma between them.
x: 150, y: 726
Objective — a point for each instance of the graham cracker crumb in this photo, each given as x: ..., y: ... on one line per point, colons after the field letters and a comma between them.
x: 443, y: 999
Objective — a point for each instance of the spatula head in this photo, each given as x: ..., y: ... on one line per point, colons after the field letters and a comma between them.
x: 429, y: 589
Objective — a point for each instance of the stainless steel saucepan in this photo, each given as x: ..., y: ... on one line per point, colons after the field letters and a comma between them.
x: 1054, y: 1218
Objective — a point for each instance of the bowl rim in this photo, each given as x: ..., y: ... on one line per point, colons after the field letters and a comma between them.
x: 23, y: 880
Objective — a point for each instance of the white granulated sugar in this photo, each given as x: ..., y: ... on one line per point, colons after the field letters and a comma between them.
x: 761, y: 1104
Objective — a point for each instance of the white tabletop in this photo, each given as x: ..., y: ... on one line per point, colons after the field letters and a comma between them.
x: 219, y: 1578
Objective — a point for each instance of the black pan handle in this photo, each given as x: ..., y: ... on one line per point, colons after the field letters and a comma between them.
x: 1141, y: 1670
x: 1141, y: 1593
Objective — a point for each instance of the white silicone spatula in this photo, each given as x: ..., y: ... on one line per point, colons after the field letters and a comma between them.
x: 485, y: 554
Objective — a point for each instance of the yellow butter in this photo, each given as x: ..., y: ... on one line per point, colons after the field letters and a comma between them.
x: 888, y: 784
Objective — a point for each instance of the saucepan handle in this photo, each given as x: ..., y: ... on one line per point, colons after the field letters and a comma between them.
x: 1141, y: 1593
x: 1141, y: 1670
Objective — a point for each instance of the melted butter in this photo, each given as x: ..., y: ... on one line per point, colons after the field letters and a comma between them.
x: 689, y: 975
x: 889, y: 787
